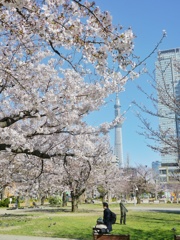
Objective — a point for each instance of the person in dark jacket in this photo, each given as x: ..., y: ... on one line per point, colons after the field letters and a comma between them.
x: 123, y: 211
x: 107, y: 216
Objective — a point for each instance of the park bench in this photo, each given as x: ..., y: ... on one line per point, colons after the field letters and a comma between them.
x: 151, y: 201
x: 176, y: 237
x: 110, y: 237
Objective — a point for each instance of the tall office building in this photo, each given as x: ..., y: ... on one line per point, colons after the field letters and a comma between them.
x: 168, y: 89
x: 155, y: 167
x: 118, y: 150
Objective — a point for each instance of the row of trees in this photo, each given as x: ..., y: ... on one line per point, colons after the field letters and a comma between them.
x: 126, y: 184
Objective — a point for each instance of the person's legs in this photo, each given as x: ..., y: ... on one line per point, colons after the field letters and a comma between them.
x: 121, y: 220
x: 124, y: 218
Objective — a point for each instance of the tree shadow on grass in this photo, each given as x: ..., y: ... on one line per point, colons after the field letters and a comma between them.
x: 55, y: 210
x: 12, y: 215
x: 166, y: 211
x: 48, y: 210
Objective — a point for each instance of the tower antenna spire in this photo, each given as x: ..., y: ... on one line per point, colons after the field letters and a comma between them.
x: 118, y: 150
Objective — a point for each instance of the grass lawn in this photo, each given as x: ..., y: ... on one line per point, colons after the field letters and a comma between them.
x: 60, y: 222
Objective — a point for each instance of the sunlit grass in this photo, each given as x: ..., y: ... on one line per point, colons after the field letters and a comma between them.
x: 141, y: 225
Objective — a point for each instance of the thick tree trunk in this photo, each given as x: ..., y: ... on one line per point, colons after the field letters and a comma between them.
x: 42, y: 200
x: 74, y: 203
x: 3, y: 193
x: 64, y: 199
x: 138, y: 200
x: 104, y: 198
x: 109, y: 197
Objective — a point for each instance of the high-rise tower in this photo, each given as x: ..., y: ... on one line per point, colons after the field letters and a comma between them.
x: 168, y: 86
x: 118, y: 150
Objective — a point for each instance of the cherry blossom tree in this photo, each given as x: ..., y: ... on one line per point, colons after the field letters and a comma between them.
x: 75, y: 174
x: 59, y: 60
x: 165, y: 139
x: 166, y: 142
x: 141, y: 182
x: 49, y: 52
x: 81, y: 171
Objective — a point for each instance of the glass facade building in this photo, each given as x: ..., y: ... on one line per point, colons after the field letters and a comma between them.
x: 155, y: 167
x: 168, y: 90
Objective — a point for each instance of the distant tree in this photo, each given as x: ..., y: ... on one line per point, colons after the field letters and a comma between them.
x: 80, y: 171
x: 142, y: 182
x: 164, y: 139
x: 176, y: 188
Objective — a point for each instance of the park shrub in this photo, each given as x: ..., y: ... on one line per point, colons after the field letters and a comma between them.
x: 55, y: 200
x: 5, y: 202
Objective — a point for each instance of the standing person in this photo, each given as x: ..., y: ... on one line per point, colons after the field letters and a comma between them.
x: 107, y: 216
x: 123, y: 213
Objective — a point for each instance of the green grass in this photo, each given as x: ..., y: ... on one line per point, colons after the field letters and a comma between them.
x: 60, y: 222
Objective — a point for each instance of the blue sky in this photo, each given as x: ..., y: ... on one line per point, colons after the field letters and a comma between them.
x: 147, y: 19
